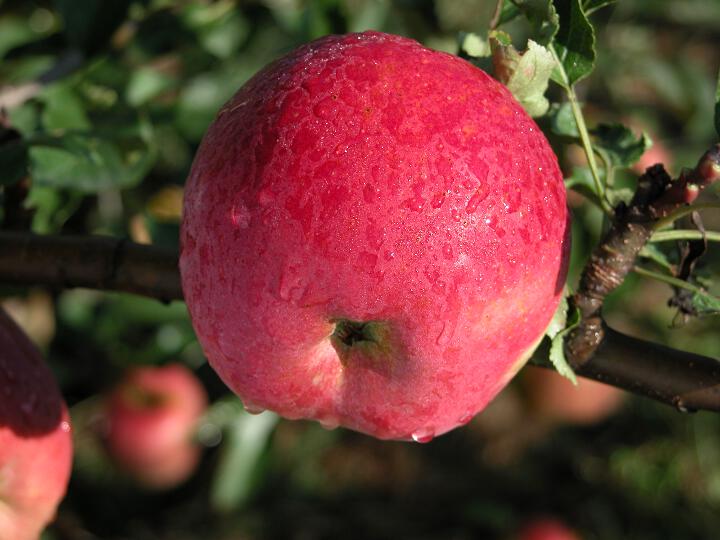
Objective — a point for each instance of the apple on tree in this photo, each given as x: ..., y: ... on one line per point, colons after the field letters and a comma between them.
x: 35, y: 438
x: 151, y: 417
x: 374, y: 236
x: 546, y: 529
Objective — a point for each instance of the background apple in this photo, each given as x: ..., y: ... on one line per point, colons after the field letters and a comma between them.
x: 546, y: 529
x: 151, y: 419
x: 552, y: 397
x: 35, y: 438
x: 374, y: 236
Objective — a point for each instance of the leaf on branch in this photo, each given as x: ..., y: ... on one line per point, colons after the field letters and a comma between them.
x: 620, y: 145
x: 574, y: 42
x: 562, y: 121
x: 89, y: 161
x: 557, y: 343
x: 705, y: 303
x: 542, y: 17
x: 526, y: 75
x: 474, y: 45
x: 582, y: 182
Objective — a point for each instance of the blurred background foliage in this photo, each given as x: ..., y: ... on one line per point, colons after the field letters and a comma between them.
x: 127, y: 90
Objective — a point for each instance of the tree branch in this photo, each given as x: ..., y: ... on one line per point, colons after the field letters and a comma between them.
x: 95, y: 262
x: 656, y: 197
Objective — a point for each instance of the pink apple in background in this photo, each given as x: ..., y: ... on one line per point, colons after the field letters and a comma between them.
x: 546, y: 529
x: 152, y: 415
x: 374, y: 236
x: 553, y: 397
x: 35, y: 438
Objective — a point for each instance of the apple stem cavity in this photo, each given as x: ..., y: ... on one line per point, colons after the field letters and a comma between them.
x: 370, y: 338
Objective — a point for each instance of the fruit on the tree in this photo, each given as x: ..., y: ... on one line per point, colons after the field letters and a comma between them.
x: 546, y: 529
x: 35, y: 438
x: 553, y: 397
x: 151, y: 418
x: 374, y: 236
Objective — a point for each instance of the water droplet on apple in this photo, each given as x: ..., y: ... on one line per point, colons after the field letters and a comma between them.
x: 65, y: 426
x: 415, y: 203
x: 329, y: 423
x: 423, y: 436
x: 465, y: 418
x: 475, y: 200
x: 438, y: 200
x: 389, y: 255
x: 251, y: 408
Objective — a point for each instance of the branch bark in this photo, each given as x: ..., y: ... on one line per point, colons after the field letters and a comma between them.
x: 95, y: 262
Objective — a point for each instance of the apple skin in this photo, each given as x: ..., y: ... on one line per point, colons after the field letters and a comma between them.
x: 151, y: 418
x: 374, y: 236
x: 546, y: 529
x: 35, y: 437
x: 553, y: 397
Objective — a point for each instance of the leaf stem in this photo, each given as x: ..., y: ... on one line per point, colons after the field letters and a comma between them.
x: 684, y: 234
x: 684, y: 211
x: 675, y: 282
x: 584, y: 134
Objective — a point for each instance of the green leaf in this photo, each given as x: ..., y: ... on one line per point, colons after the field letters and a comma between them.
x: 474, y: 45
x: 526, y: 75
x: 145, y: 84
x: 63, y: 108
x: 557, y: 349
x: 246, y: 437
x: 620, y: 144
x: 562, y: 121
x: 582, y: 182
x: 543, y: 19
x: 717, y: 106
x: 705, y: 303
x: 559, y: 317
x: 574, y: 42
x: 89, y: 162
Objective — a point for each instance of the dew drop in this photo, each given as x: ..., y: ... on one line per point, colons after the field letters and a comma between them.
x: 389, y: 255
x: 465, y: 418
x: 251, y: 408
x: 415, y: 203
x: 423, y: 436
x: 329, y: 423
x: 65, y: 426
x: 475, y: 200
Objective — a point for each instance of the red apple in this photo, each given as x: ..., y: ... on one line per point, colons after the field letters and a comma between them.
x: 553, y: 397
x: 151, y: 417
x: 374, y: 236
x: 546, y: 529
x: 35, y: 438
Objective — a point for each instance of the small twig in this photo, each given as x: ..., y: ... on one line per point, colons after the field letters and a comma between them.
x: 656, y: 197
x: 95, y: 262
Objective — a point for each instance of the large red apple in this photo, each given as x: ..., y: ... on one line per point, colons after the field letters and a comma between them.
x: 152, y: 415
x: 374, y: 236
x: 35, y: 438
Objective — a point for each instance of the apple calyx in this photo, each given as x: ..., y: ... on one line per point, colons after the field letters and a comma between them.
x: 367, y: 341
